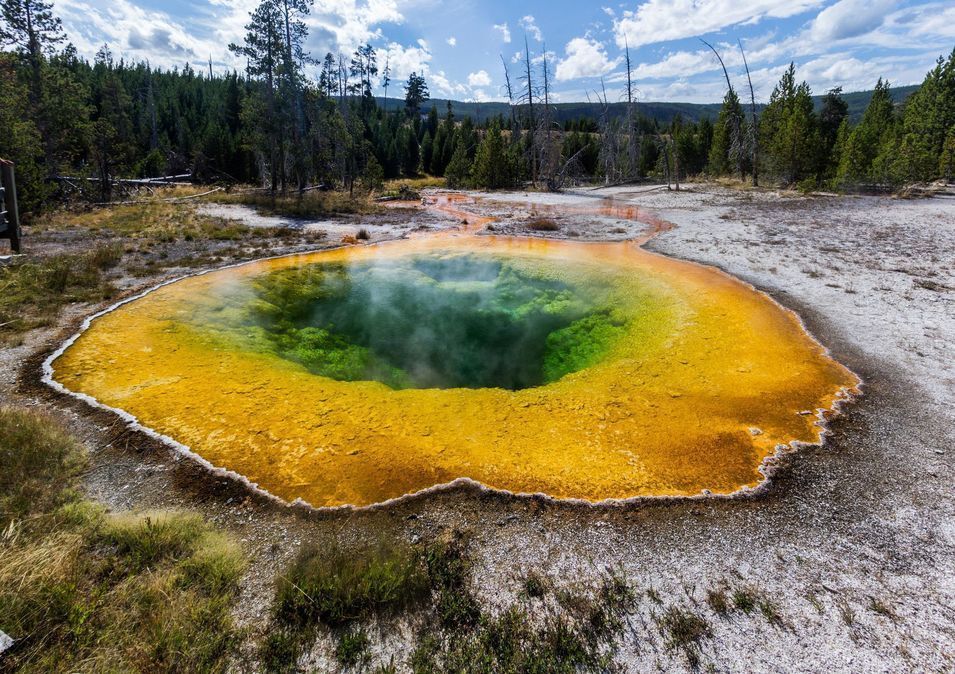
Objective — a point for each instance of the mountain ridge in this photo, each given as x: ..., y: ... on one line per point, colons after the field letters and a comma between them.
x: 662, y: 111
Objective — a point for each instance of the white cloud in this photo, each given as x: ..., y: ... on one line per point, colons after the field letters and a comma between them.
x: 661, y: 20
x: 440, y: 84
x: 930, y: 20
x: 406, y: 60
x: 585, y: 57
x: 204, y: 30
x: 849, y: 18
x: 453, y: 41
x: 504, y: 31
x: 479, y: 79
x: 133, y: 32
x: 528, y: 24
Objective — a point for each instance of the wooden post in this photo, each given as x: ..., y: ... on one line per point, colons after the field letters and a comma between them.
x: 9, y: 183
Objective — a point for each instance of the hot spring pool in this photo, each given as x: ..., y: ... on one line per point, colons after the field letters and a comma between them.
x: 358, y: 375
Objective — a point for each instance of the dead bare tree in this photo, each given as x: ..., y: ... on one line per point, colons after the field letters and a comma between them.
x: 633, y: 138
x: 528, y: 98
x: 515, y: 127
x: 736, y: 140
x: 549, y: 152
x: 342, y: 79
x: 754, y: 126
x: 609, y: 153
x: 570, y: 167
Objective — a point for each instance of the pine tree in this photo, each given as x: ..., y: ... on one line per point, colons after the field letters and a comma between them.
x: 491, y: 168
x: 458, y: 171
x: 112, y: 146
x: 437, y: 154
x: 410, y: 152
x: 875, y: 134
x: 432, y: 125
x: 416, y: 93
x: 32, y: 29
x: 20, y: 139
x: 790, y: 138
x: 946, y: 160
x: 427, y: 150
x: 262, y: 113
x: 832, y: 115
x: 726, y: 151
x: 927, y: 119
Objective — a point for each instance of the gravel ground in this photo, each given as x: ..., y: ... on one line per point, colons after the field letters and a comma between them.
x: 850, y: 553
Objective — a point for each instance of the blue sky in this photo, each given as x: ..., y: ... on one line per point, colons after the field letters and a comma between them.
x: 458, y: 45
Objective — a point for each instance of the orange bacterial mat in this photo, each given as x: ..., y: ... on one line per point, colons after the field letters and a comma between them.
x: 705, y: 380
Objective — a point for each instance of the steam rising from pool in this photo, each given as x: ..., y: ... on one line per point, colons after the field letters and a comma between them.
x: 435, y: 321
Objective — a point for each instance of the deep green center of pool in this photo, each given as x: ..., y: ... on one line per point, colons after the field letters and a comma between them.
x: 435, y: 321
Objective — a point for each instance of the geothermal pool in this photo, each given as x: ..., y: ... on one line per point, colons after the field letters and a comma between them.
x: 354, y: 376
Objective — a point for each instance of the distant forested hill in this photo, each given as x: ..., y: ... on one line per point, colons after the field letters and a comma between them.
x: 660, y: 111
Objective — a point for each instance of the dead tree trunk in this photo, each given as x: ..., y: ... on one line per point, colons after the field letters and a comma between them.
x: 633, y: 140
x: 610, y: 150
x: 754, y: 127
x: 549, y: 158
x: 515, y: 129
x: 532, y: 127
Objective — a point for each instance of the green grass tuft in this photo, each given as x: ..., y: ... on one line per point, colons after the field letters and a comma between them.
x: 352, y: 647
x: 39, y: 461
x: 684, y: 630
x: 33, y: 290
x: 718, y: 601
x: 338, y: 586
x: 84, y: 591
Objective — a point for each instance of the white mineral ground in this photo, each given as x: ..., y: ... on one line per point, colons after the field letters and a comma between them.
x: 866, y: 518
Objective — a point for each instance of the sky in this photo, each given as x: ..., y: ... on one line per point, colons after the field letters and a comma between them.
x: 459, y: 44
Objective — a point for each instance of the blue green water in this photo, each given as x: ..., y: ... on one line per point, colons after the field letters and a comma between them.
x: 435, y: 321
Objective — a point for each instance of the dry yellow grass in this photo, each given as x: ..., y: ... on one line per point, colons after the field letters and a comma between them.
x: 86, y: 591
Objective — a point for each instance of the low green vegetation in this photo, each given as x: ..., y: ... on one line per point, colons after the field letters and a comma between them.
x: 33, y: 290
x: 352, y: 647
x: 153, y: 221
x: 724, y: 600
x: 338, y: 587
x: 684, y: 630
x: 432, y: 582
x: 312, y: 204
x: 85, y: 591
